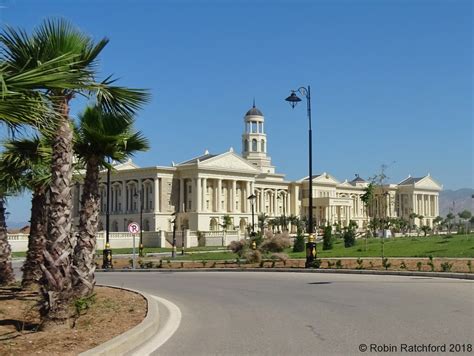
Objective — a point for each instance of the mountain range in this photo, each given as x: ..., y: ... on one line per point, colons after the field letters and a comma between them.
x: 456, y: 201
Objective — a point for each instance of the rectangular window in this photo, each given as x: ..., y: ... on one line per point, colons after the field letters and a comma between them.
x: 190, y: 188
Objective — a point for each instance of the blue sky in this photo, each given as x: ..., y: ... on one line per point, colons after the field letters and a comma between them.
x: 391, y: 80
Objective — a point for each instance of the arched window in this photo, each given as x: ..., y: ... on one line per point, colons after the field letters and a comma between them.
x: 246, y: 146
x: 263, y: 146
x: 254, y: 145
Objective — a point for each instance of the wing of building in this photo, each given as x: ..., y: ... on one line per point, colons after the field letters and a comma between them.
x: 201, y: 190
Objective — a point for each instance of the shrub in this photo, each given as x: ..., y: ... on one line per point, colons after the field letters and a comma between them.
x: 238, y: 247
x: 330, y: 264
x: 469, y: 265
x: 279, y: 257
x: 82, y: 304
x: 403, y: 265
x: 327, y: 238
x: 258, y: 238
x: 204, y: 263
x: 201, y: 238
x: 299, y: 245
x: 253, y: 256
x: 431, y: 263
x: 269, y: 234
x: 371, y: 264
x: 275, y: 244
x: 148, y: 264
x: 385, y: 263
x: 446, y: 266
x: 316, y: 263
x: 349, y: 238
x: 338, y: 264
x: 360, y: 263
x: 419, y: 264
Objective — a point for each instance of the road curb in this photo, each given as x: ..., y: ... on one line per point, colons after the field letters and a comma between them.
x: 133, y: 338
x: 469, y: 276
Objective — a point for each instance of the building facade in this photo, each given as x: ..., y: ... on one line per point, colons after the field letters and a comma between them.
x: 200, y: 191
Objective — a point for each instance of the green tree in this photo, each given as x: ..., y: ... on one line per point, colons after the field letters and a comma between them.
x: 262, y: 222
x: 53, y: 39
x: 449, y: 221
x: 100, y: 136
x: 437, y: 222
x: 425, y: 229
x: 327, y: 238
x: 30, y: 159
x: 226, y: 222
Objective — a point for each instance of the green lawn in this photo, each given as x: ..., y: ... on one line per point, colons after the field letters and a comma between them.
x: 436, y: 246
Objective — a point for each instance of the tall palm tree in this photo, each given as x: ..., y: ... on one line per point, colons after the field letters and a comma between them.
x: 10, y: 184
x: 100, y: 135
x: 30, y: 158
x: 21, y: 103
x: 20, y: 51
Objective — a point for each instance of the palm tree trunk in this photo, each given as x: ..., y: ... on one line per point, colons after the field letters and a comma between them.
x: 36, y: 240
x: 56, y: 281
x: 84, y: 264
x: 6, y: 270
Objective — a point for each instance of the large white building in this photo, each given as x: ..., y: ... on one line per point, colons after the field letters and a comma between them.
x: 200, y: 191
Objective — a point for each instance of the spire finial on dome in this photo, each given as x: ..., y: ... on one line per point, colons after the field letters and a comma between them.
x: 253, y: 102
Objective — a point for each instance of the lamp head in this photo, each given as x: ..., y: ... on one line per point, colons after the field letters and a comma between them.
x: 293, y: 99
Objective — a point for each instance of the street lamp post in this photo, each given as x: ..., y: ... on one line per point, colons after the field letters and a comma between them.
x: 107, y: 252
x: 252, y: 200
x: 140, y: 246
x: 182, y: 240
x: 293, y: 99
x: 173, y: 253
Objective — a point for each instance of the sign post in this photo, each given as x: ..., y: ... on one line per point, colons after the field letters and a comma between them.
x: 134, y: 229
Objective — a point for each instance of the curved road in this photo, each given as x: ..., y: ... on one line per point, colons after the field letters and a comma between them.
x: 261, y: 313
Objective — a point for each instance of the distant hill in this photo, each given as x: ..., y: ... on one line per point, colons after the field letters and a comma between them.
x: 462, y: 199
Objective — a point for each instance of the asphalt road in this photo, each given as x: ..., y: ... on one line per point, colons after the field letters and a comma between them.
x: 257, y: 313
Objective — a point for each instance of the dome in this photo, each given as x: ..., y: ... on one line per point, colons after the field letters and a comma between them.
x: 254, y: 111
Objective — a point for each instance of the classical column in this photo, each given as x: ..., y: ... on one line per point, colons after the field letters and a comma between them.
x: 218, y: 200
x: 198, y: 195
x: 248, y: 193
x: 156, y: 194
x: 204, y: 194
x: 124, y: 197
x: 232, y: 194
x: 429, y: 206
x: 182, y: 203
x: 275, y: 203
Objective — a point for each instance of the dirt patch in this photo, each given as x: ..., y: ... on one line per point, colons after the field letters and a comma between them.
x: 369, y: 263
x: 112, y: 312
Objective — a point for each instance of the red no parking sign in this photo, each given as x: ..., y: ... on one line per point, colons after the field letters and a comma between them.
x: 133, y: 228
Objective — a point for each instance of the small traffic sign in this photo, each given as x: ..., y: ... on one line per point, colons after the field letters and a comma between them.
x: 133, y: 228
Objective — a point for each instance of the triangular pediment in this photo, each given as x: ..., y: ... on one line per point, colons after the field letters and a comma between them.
x: 323, y: 178
x: 126, y: 165
x: 428, y: 183
x: 229, y: 161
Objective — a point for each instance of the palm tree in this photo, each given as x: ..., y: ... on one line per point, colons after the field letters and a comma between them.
x: 262, y: 222
x: 53, y: 39
x: 10, y: 184
x: 100, y: 135
x: 21, y: 103
x: 30, y: 158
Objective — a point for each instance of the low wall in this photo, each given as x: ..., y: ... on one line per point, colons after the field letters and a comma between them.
x: 19, y: 242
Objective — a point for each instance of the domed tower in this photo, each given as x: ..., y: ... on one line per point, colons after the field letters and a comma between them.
x: 254, y: 141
